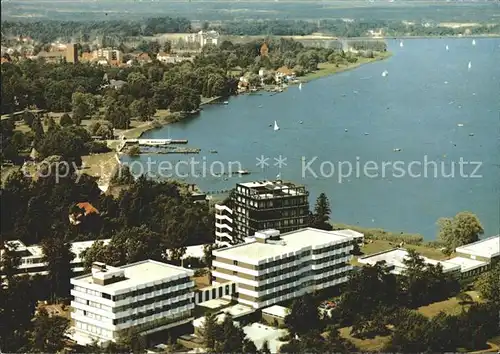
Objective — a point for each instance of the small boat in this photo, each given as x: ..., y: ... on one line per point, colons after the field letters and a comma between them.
x: 225, y: 102
x: 243, y: 172
x: 460, y: 125
x: 213, y: 151
x: 473, y: 42
x: 471, y: 134
x: 270, y: 125
x: 385, y: 73
x: 276, y: 126
x: 260, y: 106
x: 447, y: 48
x: 469, y: 66
x: 367, y: 133
x: 446, y: 82
x: 346, y: 130
x: 397, y: 149
x: 300, y: 122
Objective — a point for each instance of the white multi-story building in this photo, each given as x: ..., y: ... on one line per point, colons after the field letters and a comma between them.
x: 148, y: 296
x: 224, y: 224
x: 203, y: 38
x: 272, y: 268
x: 31, y: 256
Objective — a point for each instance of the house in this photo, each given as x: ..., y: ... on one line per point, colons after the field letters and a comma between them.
x: 117, y: 84
x: 143, y: 58
x: 171, y: 59
x: 81, y: 211
x: 284, y: 74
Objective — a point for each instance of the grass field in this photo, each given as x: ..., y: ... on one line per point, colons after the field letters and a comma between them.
x: 449, y: 306
x: 326, y: 69
x: 365, y: 345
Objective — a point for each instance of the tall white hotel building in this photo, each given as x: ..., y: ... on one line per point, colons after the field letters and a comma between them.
x: 149, y: 296
x: 270, y: 268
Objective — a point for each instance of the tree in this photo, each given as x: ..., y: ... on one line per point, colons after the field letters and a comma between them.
x: 48, y: 332
x: 51, y: 125
x: 65, y: 120
x: 303, y: 316
x: 37, y: 129
x: 134, y: 151
x: 232, y: 337
x: 57, y: 253
x: 28, y: 118
x: 460, y: 230
x: 265, y: 348
x: 464, y: 298
x: 321, y: 216
x: 209, y: 331
x: 488, y: 284
x: 9, y: 261
x: 133, y: 341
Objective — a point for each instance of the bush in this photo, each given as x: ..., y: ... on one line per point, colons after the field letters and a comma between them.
x: 134, y: 151
x: 97, y: 147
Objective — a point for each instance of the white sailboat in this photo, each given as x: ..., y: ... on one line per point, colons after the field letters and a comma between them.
x: 401, y: 44
x: 300, y: 86
x: 473, y: 42
x: 276, y: 126
x: 469, y: 66
x: 447, y: 48
x: 385, y: 73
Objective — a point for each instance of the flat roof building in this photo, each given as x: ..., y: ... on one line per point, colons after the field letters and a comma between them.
x: 276, y: 267
x: 149, y: 296
x: 31, y: 256
x: 487, y: 249
x: 262, y: 205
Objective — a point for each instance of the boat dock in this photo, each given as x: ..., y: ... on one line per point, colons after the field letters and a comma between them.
x: 155, y: 142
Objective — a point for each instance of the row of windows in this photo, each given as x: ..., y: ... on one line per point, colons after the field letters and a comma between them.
x: 295, y: 288
x: 94, y: 329
x: 151, y: 312
x: 150, y: 289
x: 152, y: 300
x: 94, y: 304
x: 87, y: 291
x: 332, y: 248
x: 331, y: 258
x: 214, y: 291
x: 300, y: 276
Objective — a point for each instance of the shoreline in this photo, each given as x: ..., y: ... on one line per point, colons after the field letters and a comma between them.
x: 327, y: 71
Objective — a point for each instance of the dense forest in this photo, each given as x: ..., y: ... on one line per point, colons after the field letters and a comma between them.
x: 47, y: 31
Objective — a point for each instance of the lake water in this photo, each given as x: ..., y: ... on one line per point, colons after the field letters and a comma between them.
x: 360, y: 116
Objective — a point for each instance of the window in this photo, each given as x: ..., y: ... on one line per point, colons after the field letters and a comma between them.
x: 235, y: 272
x: 235, y: 263
x: 106, y: 296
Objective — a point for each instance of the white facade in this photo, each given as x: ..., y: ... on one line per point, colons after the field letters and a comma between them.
x: 31, y: 256
x: 109, y: 54
x: 203, y: 38
x: 147, y: 295
x: 271, y: 270
x: 223, y: 224
x: 395, y: 258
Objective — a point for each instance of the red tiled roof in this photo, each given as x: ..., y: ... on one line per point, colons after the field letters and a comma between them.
x: 89, y: 208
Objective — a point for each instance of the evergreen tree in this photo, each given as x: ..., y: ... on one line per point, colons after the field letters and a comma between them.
x: 321, y: 216
x: 65, y: 120
x: 57, y: 253
x: 37, y: 129
x: 209, y: 331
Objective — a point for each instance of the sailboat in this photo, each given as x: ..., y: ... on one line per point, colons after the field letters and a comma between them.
x: 469, y: 66
x: 401, y: 44
x: 385, y: 73
x: 276, y: 126
x: 300, y: 86
x: 447, y: 48
x: 473, y: 42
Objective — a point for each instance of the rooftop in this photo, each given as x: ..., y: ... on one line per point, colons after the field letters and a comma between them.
x: 269, y: 189
x: 277, y: 311
x: 466, y: 264
x: 140, y: 273
x: 36, y: 251
x: 396, y: 256
x: 255, y: 252
x: 488, y: 247
x: 259, y: 333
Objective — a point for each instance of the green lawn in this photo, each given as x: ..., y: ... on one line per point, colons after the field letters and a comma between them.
x: 449, y: 306
x: 365, y: 345
x: 326, y: 69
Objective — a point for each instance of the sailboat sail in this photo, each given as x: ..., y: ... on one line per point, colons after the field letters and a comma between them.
x: 300, y: 86
x: 276, y: 126
x: 473, y: 42
x: 401, y: 44
x: 470, y: 65
x: 447, y: 48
